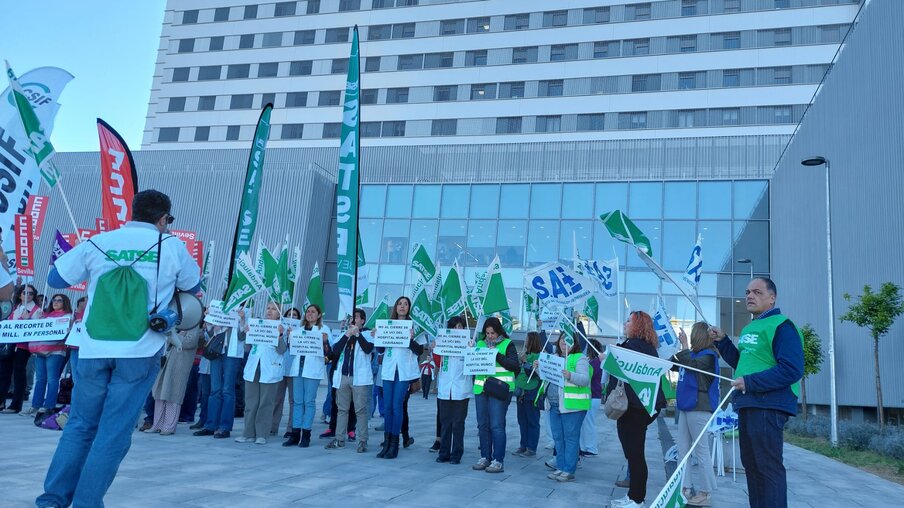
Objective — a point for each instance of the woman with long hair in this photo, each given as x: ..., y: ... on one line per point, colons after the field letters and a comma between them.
x: 568, y: 405
x: 307, y: 372
x: 49, y: 360
x: 528, y: 401
x: 632, y: 426
x: 453, y: 392
x: 13, y: 367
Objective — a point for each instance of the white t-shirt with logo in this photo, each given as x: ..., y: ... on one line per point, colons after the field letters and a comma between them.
x: 86, y: 262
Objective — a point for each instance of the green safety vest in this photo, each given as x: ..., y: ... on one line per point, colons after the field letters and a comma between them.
x: 501, y: 373
x: 577, y: 398
x: 755, y: 347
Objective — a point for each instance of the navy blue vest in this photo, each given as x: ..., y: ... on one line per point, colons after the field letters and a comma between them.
x: 688, y: 390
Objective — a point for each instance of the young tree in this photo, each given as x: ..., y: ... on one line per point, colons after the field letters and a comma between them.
x: 877, y: 313
x: 813, y: 358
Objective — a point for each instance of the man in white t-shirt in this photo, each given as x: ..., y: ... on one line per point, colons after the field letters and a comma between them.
x: 114, y: 376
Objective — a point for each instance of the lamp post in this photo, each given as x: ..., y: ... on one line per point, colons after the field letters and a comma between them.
x: 749, y: 261
x: 813, y: 162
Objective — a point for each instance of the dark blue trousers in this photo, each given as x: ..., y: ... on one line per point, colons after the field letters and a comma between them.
x: 761, y: 441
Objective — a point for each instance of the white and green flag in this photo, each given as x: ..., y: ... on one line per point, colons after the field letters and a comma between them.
x: 39, y: 147
x: 476, y: 294
x: 592, y: 309
x: 452, y: 295
x: 362, y: 295
x: 422, y: 305
x: 671, y: 496
x: 621, y: 228
x: 381, y: 312
x: 315, y: 289
x: 347, y: 188
x: 642, y: 372
x: 294, y: 270
x: 246, y: 283
x: 494, y: 299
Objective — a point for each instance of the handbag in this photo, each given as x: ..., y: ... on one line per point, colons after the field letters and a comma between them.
x: 414, y: 386
x: 617, y: 402
x: 497, y: 388
x: 213, y: 350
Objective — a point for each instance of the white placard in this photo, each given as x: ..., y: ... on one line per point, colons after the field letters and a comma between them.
x: 217, y: 317
x: 451, y: 342
x: 290, y: 322
x: 264, y: 332
x: 480, y: 361
x: 75, y: 334
x: 393, y: 333
x: 549, y: 318
x: 34, y: 330
x: 306, y: 343
x: 551, y: 367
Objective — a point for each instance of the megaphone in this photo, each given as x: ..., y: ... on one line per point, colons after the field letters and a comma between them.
x: 189, y: 308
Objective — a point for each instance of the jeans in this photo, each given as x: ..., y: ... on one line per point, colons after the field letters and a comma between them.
x: 99, y: 432
x: 589, y: 437
x: 529, y: 423
x: 760, y: 439
x: 566, y: 432
x: 452, y: 416
x: 221, y: 403
x: 190, y: 399
x: 73, y: 364
x: 395, y: 392
x: 203, y: 395
x: 378, y: 399
x: 47, y: 380
x: 491, y: 426
x: 304, y: 393
x: 425, y: 384
x: 632, y: 433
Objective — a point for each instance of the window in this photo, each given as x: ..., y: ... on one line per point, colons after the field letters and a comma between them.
x: 445, y: 93
x: 238, y: 71
x: 508, y: 125
x: 168, y: 135
x: 511, y: 90
x: 637, y: 12
x: 730, y: 116
x: 296, y: 99
x: 731, y: 78
x: 397, y: 96
x: 272, y: 40
x: 181, y: 74
x: 782, y: 36
x: 687, y: 80
x: 438, y: 60
x: 209, y: 73
x: 406, y: 3
x: 403, y: 31
x: 221, y: 14
x: 476, y: 58
x: 300, y: 68
x: 478, y: 25
x: 595, y: 15
x: 336, y: 35
x: 339, y: 66
x: 782, y: 75
x: 216, y: 43
x: 831, y: 33
x: 250, y: 12
x: 303, y: 37
x: 452, y: 26
x: 448, y: 127
x: 369, y: 96
x: 591, y: 122
x: 601, y: 49
x: 731, y: 5
x: 207, y: 103
x: 646, y: 83
x: 246, y: 41
x: 782, y: 114
x: 332, y: 130
x: 243, y: 101
x: 372, y: 64
x: 349, y: 5
x: 383, y: 4
x: 638, y: 47
x: 268, y: 98
x: 549, y: 123
x: 635, y: 120
x: 292, y: 131
x: 176, y: 104
x: 555, y: 18
x: 393, y: 129
x: 517, y: 21
x: 688, y: 7
x: 410, y: 62
x: 551, y: 88
x: 686, y: 118
x: 329, y: 98
x: 190, y: 17
x: 232, y: 132
x: 483, y: 91
x: 782, y: 4
x: 202, y: 133
x: 524, y: 55
x: 562, y: 52
x: 284, y: 9
x: 313, y: 7
x: 687, y: 43
x: 267, y: 70
x: 186, y: 45
x: 731, y: 40
x: 379, y: 32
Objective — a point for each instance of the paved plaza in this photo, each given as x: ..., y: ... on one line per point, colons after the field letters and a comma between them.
x: 186, y: 471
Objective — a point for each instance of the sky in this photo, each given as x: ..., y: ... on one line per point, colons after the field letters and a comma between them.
x: 110, y: 46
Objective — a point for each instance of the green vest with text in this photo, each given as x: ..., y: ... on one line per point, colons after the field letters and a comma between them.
x: 755, y: 347
x: 501, y: 374
x: 577, y: 398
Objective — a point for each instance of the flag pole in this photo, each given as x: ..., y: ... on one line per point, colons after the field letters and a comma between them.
x: 559, y: 310
x: 621, y: 324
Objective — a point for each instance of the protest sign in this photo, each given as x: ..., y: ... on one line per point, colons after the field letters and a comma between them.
x: 293, y: 323
x: 264, y: 332
x: 451, y: 342
x: 33, y: 330
x: 25, y: 246
x: 215, y: 315
x: 306, y: 343
x: 551, y: 367
x: 557, y: 285
x: 549, y: 319
x: 480, y: 361
x: 393, y: 333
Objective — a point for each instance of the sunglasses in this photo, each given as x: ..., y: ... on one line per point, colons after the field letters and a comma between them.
x: 170, y: 219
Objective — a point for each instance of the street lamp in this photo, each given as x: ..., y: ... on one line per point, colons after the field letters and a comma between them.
x: 744, y: 261
x: 813, y: 162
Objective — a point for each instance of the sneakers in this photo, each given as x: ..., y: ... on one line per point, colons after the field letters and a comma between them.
x: 334, y: 444
x: 146, y: 426
x: 329, y: 434
x: 408, y: 442
x: 519, y: 452
x: 625, y: 502
x: 565, y: 477
x: 701, y: 499
x: 9, y: 411
x: 554, y: 475
x: 529, y: 453
x: 260, y: 440
x: 199, y: 425
x: 221, y: 434
x: 495, y: 467
x: 434, y: 448
x: 351, y: 436
x: 481, y: 464
x: 362, y: 447
x: 203, y: 432
x: 244, y: 439
x: 28, y: 412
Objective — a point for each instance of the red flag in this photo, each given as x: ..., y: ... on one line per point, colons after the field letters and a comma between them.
x: 25, y: 263
x: 118, y: 177
x: 184, y: 235
x: 37, y: 208
x: 83, y: 235
x: 101, y: 225
x: 197, y: 252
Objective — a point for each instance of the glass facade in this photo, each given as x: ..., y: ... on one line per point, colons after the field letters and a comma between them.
x: 529, y: 224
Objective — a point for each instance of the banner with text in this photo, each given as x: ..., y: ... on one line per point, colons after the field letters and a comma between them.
x: 263, y: 332
x: 551, y: 367
x: 451, y: 342
x: 480, y: 361
x: 393, y: 332
x: 34, y: 330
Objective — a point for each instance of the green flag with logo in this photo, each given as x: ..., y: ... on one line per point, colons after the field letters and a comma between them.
x: 268, y: 268
x: 39, y: 147
x: 348, y: 175
x: 642, y: 372
x: 422, y: 312
x: 281, y: 280
x: 495, y: 299
x: 476, y: 294
x: 452, y: 294
x: 671, y: 495
x: 422, y: 306
x: 315, y: 289
x: 246, y: 283
x: 621, y: 228
x: 592, y: 308
x: 381, y: 312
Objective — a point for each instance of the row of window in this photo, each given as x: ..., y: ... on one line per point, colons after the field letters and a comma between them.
x: 283, y: 9
x: 663, y: 119
x: 719, y: 78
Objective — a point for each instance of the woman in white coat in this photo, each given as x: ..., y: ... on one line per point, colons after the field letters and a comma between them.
x: 454, y: 391
x: 263, y: 370
x: 307, y: 372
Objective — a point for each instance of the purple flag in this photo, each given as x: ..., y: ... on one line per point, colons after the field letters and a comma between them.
x: 60, y: 247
